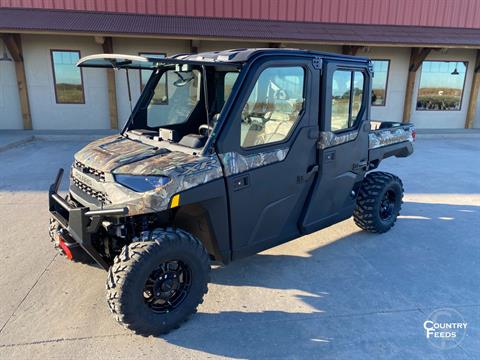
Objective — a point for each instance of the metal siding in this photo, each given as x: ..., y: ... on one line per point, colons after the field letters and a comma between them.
x: 440, y: 13
x: 13, y: 20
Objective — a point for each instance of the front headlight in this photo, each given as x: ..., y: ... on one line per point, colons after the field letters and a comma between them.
x: 142, y: 183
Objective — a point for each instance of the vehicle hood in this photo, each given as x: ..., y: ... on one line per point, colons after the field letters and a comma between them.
x: 111, y: 152
x: 121, y: 155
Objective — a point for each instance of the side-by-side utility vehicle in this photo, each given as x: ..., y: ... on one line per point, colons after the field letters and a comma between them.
x: 225, y: 154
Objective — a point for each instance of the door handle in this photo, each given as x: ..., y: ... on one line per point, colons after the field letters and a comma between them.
x: 329, y: 155
x: 308, y: 175
x: 240, y: 182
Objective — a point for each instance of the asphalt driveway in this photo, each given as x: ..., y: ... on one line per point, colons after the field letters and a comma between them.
x: 337, y: 293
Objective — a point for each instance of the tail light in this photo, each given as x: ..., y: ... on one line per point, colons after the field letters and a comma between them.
x: 414, y: 134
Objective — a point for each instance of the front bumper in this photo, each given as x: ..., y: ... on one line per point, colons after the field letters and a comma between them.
x: 79, y: 222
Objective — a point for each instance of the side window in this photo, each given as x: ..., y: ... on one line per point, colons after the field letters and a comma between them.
x: 229, y: 81
x: 273, y: 106
x: 347, y: 98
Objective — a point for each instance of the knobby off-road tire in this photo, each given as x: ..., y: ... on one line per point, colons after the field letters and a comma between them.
x: 141, y: 264
x: 379, y: 202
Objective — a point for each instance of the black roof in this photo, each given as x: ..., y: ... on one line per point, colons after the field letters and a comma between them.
x: 238, y: 56
x: 234, y: 57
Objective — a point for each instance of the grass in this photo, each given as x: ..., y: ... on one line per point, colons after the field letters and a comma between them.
x: 68, y: 93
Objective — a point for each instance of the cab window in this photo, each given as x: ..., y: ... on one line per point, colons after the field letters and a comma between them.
x: 347, y: 98
x: 229, y: 81
x: 183, y: 88
x: 273, y: 106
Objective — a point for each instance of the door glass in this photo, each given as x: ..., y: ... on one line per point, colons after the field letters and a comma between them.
x: 357, y: 97
x: 273, y: 106
x: 341, y: 84
x: 347, y: 98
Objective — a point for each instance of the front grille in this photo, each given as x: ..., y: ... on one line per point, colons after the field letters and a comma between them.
x: 96, y: 196
x: 97, y: 174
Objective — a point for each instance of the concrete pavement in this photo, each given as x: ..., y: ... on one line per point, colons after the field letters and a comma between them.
x: 338, y: 293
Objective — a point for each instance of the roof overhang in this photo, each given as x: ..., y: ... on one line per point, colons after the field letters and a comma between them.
x: 183, y: 27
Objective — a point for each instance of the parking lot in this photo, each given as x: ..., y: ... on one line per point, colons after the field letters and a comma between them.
x: 337, y: 293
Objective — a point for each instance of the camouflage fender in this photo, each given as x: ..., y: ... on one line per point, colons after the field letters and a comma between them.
x: 185, y: 172
x: 329, y: 139
x: 235, y: 163
x: 389, y: 136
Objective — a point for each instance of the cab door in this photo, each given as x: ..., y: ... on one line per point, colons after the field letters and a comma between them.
x: 343, y: 144
x: 268, y: 151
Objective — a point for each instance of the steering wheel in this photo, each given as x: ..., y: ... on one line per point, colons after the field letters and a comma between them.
x: 204, y: 129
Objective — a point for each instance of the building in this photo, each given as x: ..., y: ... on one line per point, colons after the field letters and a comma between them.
x: 426, y: 53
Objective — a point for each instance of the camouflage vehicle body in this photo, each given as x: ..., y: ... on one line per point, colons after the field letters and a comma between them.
x: 93, y: 185
x: 201, y: 174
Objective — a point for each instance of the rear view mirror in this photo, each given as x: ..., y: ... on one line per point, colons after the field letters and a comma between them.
x: 183, y: 78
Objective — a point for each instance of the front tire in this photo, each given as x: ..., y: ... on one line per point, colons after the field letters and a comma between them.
x: 379, y: 202
x: 154, y: 286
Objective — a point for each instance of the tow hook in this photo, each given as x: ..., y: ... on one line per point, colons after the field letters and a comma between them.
x: 60, y: 242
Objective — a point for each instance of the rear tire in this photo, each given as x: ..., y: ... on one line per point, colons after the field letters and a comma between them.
x: 379, y: 202
x: 154, y: 286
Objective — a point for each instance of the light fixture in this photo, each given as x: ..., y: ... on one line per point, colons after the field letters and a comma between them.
x: 455, y: 71
x: 5, y: 55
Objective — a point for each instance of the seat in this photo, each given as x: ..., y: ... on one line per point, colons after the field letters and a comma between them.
x: 194, y: 141
x: 280, y: 121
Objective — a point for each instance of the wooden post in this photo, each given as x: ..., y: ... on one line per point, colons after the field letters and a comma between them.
x: 472, y: 103
x: 13, y: 42
x: 107, y: 46
x: 416, y: 58
x: 350, y: 49
x: 194, y: 46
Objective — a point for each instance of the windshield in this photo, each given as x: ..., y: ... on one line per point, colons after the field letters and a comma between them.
x: 175, y: 96
x: 173, y: 105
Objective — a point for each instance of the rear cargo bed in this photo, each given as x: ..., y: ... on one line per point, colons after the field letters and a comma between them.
x: 389, y: 139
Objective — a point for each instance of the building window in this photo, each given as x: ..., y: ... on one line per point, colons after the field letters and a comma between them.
x: 67, y: 77
x: 273, y: 107
x: 161, y: 90
x: 380, y: 81
x: 441, y: 85
x: 347, y: 98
